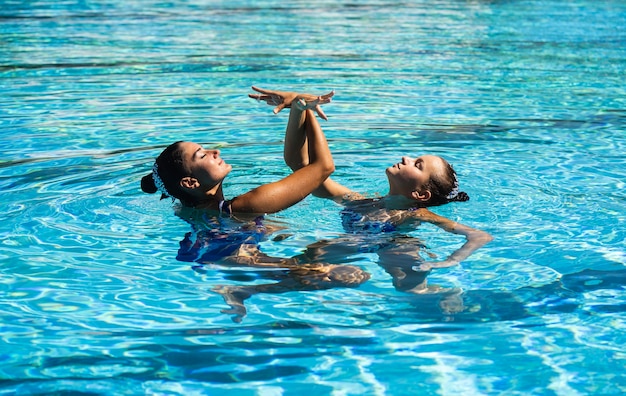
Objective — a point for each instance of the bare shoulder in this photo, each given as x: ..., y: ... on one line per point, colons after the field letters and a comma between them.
x: 419, y: 212
x: 351, y: 197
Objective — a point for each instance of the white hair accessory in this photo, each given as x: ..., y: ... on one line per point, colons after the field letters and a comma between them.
x: 455, y: 191
x: 158, y: 182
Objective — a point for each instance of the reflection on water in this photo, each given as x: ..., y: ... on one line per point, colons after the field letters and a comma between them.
x: 526, y: 100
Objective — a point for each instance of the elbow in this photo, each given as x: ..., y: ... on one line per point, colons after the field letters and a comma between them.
x: 484, y: 238
x: 479, y: 238
x: 330, y: 169
x: 327, y: 169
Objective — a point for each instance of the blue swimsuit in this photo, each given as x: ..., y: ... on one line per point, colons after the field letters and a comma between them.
x: 356, y: 223
x: 218, y: 238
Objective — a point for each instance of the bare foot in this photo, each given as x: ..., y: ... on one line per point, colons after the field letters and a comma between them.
x: 327, y: 276
x: 234, y: 296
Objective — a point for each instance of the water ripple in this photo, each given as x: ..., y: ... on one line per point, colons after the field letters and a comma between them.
x: 526, y: 100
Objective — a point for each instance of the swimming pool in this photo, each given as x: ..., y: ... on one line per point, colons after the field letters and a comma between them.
x: 525, y: 98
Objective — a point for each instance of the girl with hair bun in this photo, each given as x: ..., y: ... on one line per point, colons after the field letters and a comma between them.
x: 227, y: 232
x: 194, y: 175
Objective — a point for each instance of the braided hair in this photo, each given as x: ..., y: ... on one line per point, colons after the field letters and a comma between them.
x: 444, y: 187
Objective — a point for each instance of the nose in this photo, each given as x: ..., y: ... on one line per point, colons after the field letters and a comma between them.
x: 406, y: 160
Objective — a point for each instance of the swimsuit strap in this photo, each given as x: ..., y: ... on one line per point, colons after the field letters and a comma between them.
x: 224, y: 206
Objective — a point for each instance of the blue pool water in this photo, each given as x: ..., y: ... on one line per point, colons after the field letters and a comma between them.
x: 526, y: 98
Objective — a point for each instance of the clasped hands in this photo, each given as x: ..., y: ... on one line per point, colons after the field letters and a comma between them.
x: 282, y: 99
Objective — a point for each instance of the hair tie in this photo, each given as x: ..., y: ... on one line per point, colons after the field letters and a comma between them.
x: 158, y: 182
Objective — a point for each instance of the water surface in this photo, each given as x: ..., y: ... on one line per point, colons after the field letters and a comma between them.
x: 525, y: 98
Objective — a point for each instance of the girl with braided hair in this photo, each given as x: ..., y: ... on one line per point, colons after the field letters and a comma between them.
x: 414, y: 185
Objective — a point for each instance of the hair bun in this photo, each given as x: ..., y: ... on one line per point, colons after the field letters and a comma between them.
x: 147, y: 184
x: 462, y: 196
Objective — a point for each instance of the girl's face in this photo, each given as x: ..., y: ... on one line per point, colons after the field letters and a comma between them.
x: 204, y: 165
x: 413, y: 174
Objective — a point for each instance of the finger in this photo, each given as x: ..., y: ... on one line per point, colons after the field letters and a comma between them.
x: 268, y: 91
x: 264, y: 98
x: 320, y: 112
x: 300, y: 104
x: 278, y: 108
x: 261, y: 90
x: 329, y: 95
x: 324, y: 99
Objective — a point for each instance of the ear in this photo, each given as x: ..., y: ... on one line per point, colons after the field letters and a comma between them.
x: 189, y: 182
x: 421, y: 196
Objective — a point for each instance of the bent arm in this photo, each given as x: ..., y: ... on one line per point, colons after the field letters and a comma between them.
x: 297, y: 154
x: 273, y: 197
x: 474, y: 238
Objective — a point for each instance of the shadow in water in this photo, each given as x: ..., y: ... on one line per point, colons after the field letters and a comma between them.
x: 479, y: 306
x: 224, y: 352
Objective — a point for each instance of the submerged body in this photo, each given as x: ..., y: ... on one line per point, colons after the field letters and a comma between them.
x: 228, y: 232
x: 226, y: 242
x: 415, y: 183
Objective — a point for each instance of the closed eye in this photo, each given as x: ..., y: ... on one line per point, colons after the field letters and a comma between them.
x: 199, y: 153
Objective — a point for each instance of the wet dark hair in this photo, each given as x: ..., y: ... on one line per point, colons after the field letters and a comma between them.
x: 442, y: 187
x: 171, y: 170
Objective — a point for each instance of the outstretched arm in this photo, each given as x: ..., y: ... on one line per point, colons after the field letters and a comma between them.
x: 273, y: 197
x: 474, y: 238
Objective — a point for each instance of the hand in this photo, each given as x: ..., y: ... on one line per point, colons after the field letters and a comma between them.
x: 427, y: 266
x: 282, y: 100
x: 422, y: 267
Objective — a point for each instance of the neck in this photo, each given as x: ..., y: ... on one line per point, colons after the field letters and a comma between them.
x: 209, y: 199
x: 397, y: 201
